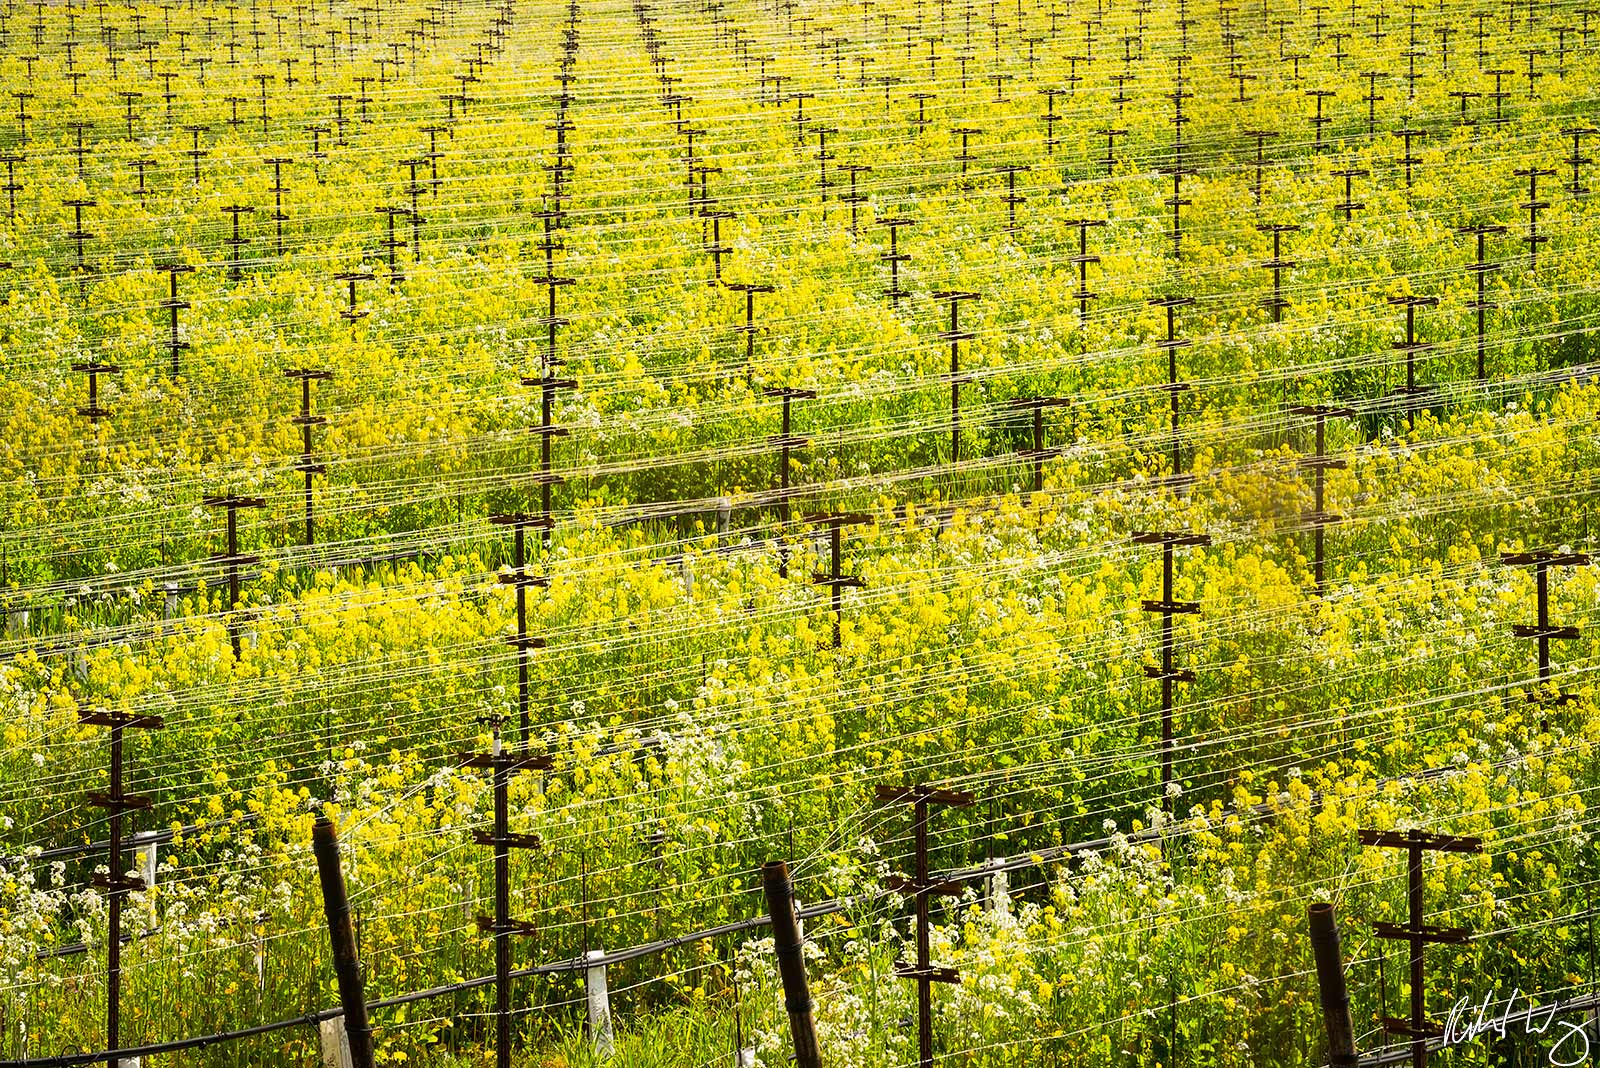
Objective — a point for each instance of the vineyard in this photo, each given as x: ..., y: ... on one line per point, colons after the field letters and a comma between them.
x: 1078, y: 481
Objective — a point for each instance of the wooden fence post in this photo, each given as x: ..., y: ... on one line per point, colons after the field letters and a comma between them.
x: 791, y: 963
x: 346, y: 965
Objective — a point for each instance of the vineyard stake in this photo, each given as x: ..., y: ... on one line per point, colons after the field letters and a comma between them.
x: 1277, y: 265
x: 13, y: 187
x: 823, y: 156
x: 392, y: 244
x: 195, y: 152
x: 79, y: 235
x: 1050, y: 119
x: 277, y: 190
x: 1038, y: 454
x: 1319, y: 463
x: 1533, y: 206
x: 1481, y: 268
x: 173, y: 305
x: 1577, y: 159
x: 1408, y: 159
x: 1349, y: 205
x: 1412, y: 347
x: 1171, y: 344
x: 1261, y: 137
x: 346, y: 962
x: 955, y: 335
x: 894, y: 258
x: 1417, y: 933
x: 715, y: 248
x: 1083, y: 259
x: 788, y: 948
x: 413, y: 189
x: 349, y: 313
x: 1167, y: 672
x: 749, y: 289
x: 115, y: 881
x: 834, y: 578
x: 236, y: 243
x: 1542, y: 631
x: 305, y: 421
x: 966, y: 157
x: 854, y: 198
x: 1499, y: 96
x: 233, y: 559
x: 1011, y: 199
x: 920, y: 888
x: 78, y: 148
x: 785, y: 441
x: 504, y: 764
x: 1319, y: 120
x: 94, y: 369
x: 1109, y: 160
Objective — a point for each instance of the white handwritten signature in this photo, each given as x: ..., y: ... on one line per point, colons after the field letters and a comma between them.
x: 1569, y: 1048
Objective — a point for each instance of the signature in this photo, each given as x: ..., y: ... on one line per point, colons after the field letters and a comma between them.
x: 1570, y: 1042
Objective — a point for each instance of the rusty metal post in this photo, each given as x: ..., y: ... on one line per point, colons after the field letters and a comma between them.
x: 1542, y: 630
x: 1319, y: 464
x: 1415, y: 931
x: 1167, y: 672
x: 955, y: 335
x: 1481, y: 268
x: 785, y: 442
x: 116, y: 882
x: 787, y: 943
x: 833, y: 578
x: 306, y: 420
x: 921, y: 887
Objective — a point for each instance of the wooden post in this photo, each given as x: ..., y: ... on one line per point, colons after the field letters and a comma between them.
x: 1331, y: 986
x: 1171, y: 344
x: 346, y: 964
x: 278, y: 189
x: 1534, y: 205
x: 1349, y: 205
x: 855, y: 198
x: 788, y: 948
x: 172, y: 305
x: 1412, y: 347
x: 894, y: 258
x: 1277, y: 265
x: 94, y: 411
x: 749, y: 289
x: 1577, y: 159
x: 236, y: 242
